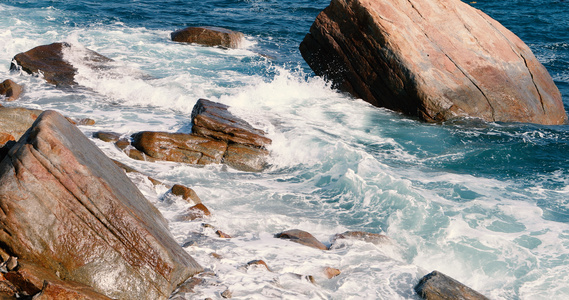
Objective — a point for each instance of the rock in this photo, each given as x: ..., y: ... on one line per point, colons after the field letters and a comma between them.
x: 14, y: 121
x: 246, y: 158
x: 258, y: 262
x: 10, y: 89
x: 226, y: 294
x: 186, y: 193
x: 438, y: 286
x: 212, y: 119
x: 373, y: 238
x: 222, y: 234
x: 107, y: 136
x: 50, y: 62
x: 301, y: 237
x: 437, y: 60
x: 197, y: 211
x: 68, y: 208
x: 208, y: 36
x: 128, y: 169
x: 331, y: 272
x: 180, y: 147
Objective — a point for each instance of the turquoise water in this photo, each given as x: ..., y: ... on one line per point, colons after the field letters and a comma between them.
x: 485, y: 203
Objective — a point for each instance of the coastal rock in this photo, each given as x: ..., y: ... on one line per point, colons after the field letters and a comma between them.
x: 68, y: 208
x: 186, y: 193
x: 180, y: 147
x: 10, y: 89
x: 50, y: 62
x: 259, y: 262
x: 438, y: 286
x: 208, y: 36
x: 212, y: 119
x: 15, y: 121
x: 331, y: 272
x: 107, y: 136
x: 437, y: 60
x: 197, y: 211
x: 301, y: 237
x: 246, y: 158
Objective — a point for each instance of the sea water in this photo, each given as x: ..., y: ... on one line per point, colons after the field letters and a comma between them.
x: 485, y: 203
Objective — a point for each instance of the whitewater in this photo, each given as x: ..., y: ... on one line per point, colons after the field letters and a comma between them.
x: 485, y: 203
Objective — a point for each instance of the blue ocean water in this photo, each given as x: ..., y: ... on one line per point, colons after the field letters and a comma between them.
x: 485, y: 203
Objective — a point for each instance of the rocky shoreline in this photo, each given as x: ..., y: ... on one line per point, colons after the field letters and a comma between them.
x: 74, y: 226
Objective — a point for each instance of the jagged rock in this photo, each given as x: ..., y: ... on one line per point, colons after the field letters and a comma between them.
x: 180, y: 147
x: 68, y: 208
x: 301, y: 237
x: 369, y: 237
x: 10, y: 89
x: 208, y: 36
x: 212, y: 119
x: 49, y: 61
x: 438, y: 286
x: 437, y: 60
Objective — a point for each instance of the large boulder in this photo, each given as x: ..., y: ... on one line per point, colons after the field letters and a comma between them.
x: 208, y: 36
x: 50, y: 62
x: 438, y: 286
x: 437, y: 60
x: 68, y: 208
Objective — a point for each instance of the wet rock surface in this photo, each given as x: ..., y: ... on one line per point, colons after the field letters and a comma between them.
x: 10, y: 90
x: 438, y: 286
x: 71, y: 210
x: 208, y: 36
x: 301, y: 237
x: 437, y: 60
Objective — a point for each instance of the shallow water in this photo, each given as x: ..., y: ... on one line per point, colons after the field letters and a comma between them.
x: 484, y: 203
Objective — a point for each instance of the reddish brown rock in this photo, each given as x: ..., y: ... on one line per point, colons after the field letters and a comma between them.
x: 222, y: 234
x: 213, y: 120
x: 208, y: 36
x: 197, y: 211
x: 437, y: 60
x: 180, y: 147
x: 438, y: 286
x: 49, y: 60
x: 107, y: 136
x: 258, y: 262
x: 186, y: 193
x: 331, y: 272
x: 301, y: 237
x: 16, y: 120
x: 246, y: 158
x: 67, y: 207
x: 10, y: 89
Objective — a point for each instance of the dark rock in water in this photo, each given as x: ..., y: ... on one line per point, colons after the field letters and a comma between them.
x: 437, y: 60
x: 10, y: 89
x: 208, y: 36
x: 246, y: 158
x: 180, y: 147
x: 48, y: 59
x: 213, y: 120
x: 301, y: 237
x: 67, y: 207
x: 438, y: 286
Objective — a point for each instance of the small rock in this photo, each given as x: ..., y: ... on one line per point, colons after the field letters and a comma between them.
x: 438, y: 286
x: 217, y: 256
x: 10, y: 89
x: 208, y: 36
x: 258, y: 262
x: 186, y: 193
x: 197, y: 211
x: 107, y: 136
x: 123, y: 143
x: 226, y: 294
x: 85, y: 121
x: 301, y: 237
x: 189, y: 285
x: 369, y: 237
x: 222, y: 235
x: 331, y: 272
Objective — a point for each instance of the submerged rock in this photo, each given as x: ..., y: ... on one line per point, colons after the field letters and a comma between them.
x: 301, y: 237
x: 10, y: 89
x: 48, y: 61
x: 437, y: 60
x: 368, y: 237
x: 438, y: 286
x: 69, y: 208
x: 208, y: 36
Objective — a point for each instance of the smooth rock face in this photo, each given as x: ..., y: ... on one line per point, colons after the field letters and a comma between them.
x: 208, y: 36
x: 438, y: 286
x: 15, y: 121
x: 10, y: 89
x: 301, y: 237
x: 180, y: 147
x: 48, y: 59
x: 68, y: 208
x: 213, y: 120
x: 437, y: 60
